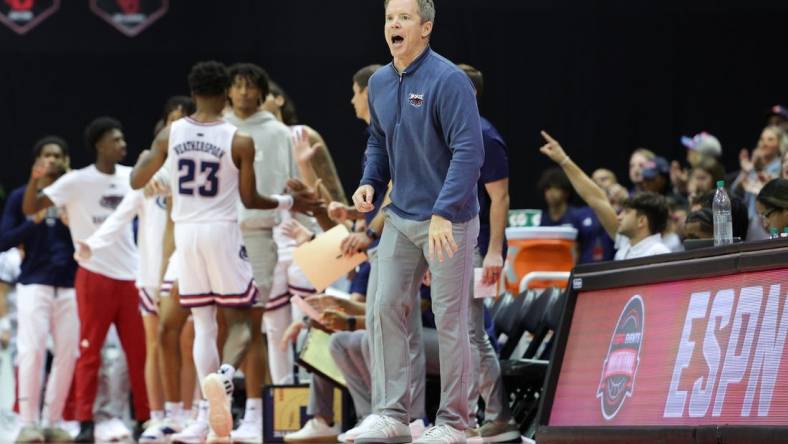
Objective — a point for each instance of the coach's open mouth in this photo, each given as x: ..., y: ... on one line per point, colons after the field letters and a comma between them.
x: 397, y: 41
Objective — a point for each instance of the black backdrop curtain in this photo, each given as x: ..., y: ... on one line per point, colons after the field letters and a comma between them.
x: 603, y: 76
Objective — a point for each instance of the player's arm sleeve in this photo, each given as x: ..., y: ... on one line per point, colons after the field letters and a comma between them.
x: 14, y: 226
x: 62, y: 190
x: 458, y: 116
x: 117, y: 224
x: 376, y: 171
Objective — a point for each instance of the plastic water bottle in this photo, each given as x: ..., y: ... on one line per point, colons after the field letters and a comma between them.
x: 723, y: 222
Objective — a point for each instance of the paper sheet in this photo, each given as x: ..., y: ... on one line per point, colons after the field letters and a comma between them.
x: 322, y: 260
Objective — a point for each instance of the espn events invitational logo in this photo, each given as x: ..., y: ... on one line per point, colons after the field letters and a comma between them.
x: 130, y: 17
x: 23, y: 15
x: 623, y: 358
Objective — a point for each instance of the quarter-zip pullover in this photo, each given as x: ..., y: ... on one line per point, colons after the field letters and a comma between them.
x: 425, y: 135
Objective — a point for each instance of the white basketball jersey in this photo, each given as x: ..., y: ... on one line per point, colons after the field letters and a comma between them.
x: 203, y: 177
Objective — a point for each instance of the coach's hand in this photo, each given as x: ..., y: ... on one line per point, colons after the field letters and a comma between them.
x: 363, y: 198
x: 441, y: 239
x: 355, y: 243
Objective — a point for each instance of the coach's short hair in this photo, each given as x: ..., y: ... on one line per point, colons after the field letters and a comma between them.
x: 426, y: 9
x: 209, y: 79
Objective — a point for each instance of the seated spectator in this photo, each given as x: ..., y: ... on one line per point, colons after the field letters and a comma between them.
x: 741, y: 220
x: 703, y: 178
x: 637, y: 229
x: 593, y: 243
x: 637, y: 162
x: 604, y: 178
x: 677, y: 214
x: 700, y: 147
x: 778, y: 116
x: 656, y: 178
x: 772, y: 205
x: 784, y: 166
x: 758, y: 168
x: 699, y: 225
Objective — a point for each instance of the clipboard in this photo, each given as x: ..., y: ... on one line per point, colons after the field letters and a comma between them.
x: 322, y: 260
x: 316, y: 357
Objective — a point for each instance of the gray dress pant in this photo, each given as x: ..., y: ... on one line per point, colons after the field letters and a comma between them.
x: 486, y: 367
x: 403, y: 259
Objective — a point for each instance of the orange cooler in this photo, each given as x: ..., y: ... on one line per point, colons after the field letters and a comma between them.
x: 538, y: 249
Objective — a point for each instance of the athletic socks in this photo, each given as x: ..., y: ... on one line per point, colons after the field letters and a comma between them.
x: 254, y: 410
x: 172, y: 409
x: 157, y: 415
x: 202, y: 411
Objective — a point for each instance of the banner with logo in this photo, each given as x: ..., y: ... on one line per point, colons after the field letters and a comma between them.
x: 23, y: 15
x: 130, y: 17
x: 689, y: 353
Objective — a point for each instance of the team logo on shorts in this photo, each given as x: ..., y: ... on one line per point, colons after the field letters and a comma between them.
x: 130, y: 17
x: 416, y: 100
x: 242, y: 254
x: 111, y: 202
x: 23, y: 15
x: 623, y: 359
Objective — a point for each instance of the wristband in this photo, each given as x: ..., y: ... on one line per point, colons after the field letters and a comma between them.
x: 372, y: 234
x: 285, y: 201
x: 351, y: 323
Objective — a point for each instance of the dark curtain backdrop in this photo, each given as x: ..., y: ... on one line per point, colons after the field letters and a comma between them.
x: 603, y: 76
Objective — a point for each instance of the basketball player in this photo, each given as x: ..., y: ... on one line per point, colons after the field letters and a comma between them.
x: 46, y: 303
x: 105, y: 283
x: 211, y: 164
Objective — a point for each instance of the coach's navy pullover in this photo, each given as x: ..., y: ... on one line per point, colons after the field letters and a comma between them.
x: 426, y: 136
x: 49, y: 251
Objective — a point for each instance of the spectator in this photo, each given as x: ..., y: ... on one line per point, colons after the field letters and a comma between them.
x: 702, y: 146
x: 741, y: 220
x: 758, y: 168
x: 637, y: 162
x: 637, y: 229
x: 593, y: 243
x: 778, y: 116
x: 703, y: 178
x: 676, y: 221
x: 772, y: 205
x: 604, y: 178
x: 699, y: 225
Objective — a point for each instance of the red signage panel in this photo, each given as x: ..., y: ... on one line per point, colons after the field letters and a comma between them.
x: 689, y: 353
x: 130, y: 17
x: 23, y: 15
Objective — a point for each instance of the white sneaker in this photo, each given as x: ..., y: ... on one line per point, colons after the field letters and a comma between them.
x: 249, y: 432
x: 417, y: 428
x: 442, y: 434
x: 159, y: 431
x: 350, y: 435
x: 213, y: 438
x: 217, y: 387
x: 195, y: 433
x: 383, y: 429
x: 153, y: 432
x: 112, y: 430
x: 315, y: 430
